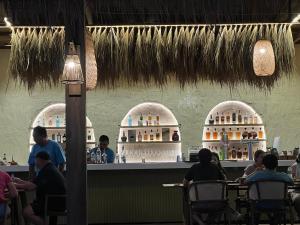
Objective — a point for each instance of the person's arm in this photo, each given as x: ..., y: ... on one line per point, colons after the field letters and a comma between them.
x: 12, y: 190
x: 32, y: 173
x: 31, y: 164
x: 60, y: 158
x: 188, y: 177
x: 26, y: 185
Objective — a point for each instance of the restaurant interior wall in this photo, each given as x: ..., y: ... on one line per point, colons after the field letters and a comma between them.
x: 279, y: 109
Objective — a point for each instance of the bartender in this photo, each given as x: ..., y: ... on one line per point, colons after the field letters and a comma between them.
x: 105, y: 150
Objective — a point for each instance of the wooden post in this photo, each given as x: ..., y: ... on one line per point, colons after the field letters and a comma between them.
x: 76, y: 122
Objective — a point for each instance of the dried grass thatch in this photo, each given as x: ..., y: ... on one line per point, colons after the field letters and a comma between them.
x: 156, y: 54
x: 189, y: 54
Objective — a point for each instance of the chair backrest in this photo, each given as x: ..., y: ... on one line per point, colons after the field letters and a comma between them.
x: 55, y: 202
x: 268, y: 190
x: 207, y: 191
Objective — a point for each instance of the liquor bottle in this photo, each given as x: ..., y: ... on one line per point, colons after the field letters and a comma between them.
x: 260, y: 134
x: 238, y: 134
x: 239, y: 154
x: 222, y: 118
x: 211, y: 120
x: 64, y: 138
x: 228, y: 118
x: 4, y: 158
x: 53, y: 137
x: 245, y: 134
x: 57, y: 121
x: 151, y: 136
x: 255, y: 119
x: 141, y: 120
x: 145, y: 136
x: 221, y: 155
x: 233, y: 153
x: 230, y: 134
x: 234, y: 117
x: 124, y: 138
x: 217, y: 118
x: 254, y: 134
x: 129, y: 121
x: 250, y: 119
x: 140, y: 137
x: 215, y: 134
x: 58, y: 138
x: 240, y: 118
x: 246, y: 119
x: 229, y: 153
x: 207, y: 134
x: 50, y: 122
x: 89, y: 136
x: 245, y: 154
x: 157, y: 135
x: 149, y: 119
x: 157, y: 120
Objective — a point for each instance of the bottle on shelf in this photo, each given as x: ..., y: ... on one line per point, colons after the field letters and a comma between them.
x: 250, y: 119
x: 157, y: 135
x: 230, y: 134
x: 140, y: 137
x: 93, y: 157
x: 222, y: 118
x: 228, y: 118
x: 254, y: 134
x: 240, y: 118
x: 145, y: 136
x: 215, y: 134
x: 239, y: 154
x: 123, y: 156
x: 141, y: 120
x: 229, y: 153
x: 238, y: 134
x: 245, y: 134
x: 246, y: 119
x: 260, y: 134
x: 217, y: 118
x: 249, y: 134
x: 211, y: 120
x: 207, y: 134
x: 104, y: 157
x: 57, y: 121
x: 233, y: 117
x: 233, y: 153
x: 58, y: 138
x: 255, y: 119
x: 98, y: 155
x: 224, y: 135
x: 157, y: 120
x: 149, y: 119
x: 245, y: 154
x: 4, y: 158
x: 124, y: 138
x: 53, y: 137
x: 50, y: 122
x: 175, y: 136
x: 64, y: 138
x: 129, y: 121
x: 151, y: 135
x: 89, y: 136
x: 221, y: 155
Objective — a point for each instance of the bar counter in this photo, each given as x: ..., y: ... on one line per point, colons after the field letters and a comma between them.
x: 133, y: 193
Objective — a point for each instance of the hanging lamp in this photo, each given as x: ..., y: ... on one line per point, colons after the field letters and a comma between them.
x: 91, y: 65
x: 263, y: 58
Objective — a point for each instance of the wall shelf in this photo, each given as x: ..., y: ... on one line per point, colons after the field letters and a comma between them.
x: 149, y: 127
x: 60, y: 128
x: 244, y: 141
x: 233, y: 125
x: 151, y: 142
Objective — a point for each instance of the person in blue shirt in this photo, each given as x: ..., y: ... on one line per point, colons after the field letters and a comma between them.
x: 54, y: 150
x: 103, y: 145
x: 271, y: 163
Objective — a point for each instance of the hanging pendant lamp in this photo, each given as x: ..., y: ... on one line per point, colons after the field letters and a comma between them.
x: 263, y: 58
x: 91, y: 65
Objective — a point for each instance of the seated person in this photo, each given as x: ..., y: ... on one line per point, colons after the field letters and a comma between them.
x: 205, y: 170
x: 257, y: 165
x: 5, y: 184
x: 103, y: 145
x: 270, y: 162
x: 49, y: 181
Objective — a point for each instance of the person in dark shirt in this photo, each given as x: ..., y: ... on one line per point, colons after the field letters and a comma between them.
x: 49, y: 181
x: 205, y: 170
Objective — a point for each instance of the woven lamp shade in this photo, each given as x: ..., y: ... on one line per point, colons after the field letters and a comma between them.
x: 263, y: 58
x: 91, y: 65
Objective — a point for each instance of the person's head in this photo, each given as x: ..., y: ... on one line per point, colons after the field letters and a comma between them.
x: 258, y: 156
x: 39, y: 135
x: 103, y: 142
x: 298, y: 158
x: 215, y: 158
x: 270, y: 161
x: 205, y: 156
x: 41, y: 159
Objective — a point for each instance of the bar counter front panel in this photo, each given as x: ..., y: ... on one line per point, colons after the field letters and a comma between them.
x: 133, y: 193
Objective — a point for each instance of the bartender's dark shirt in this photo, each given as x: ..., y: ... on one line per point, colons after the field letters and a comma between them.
x: 50, y: 181
x: 199, y: 172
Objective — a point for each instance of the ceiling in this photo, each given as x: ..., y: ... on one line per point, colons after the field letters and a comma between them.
x: 117, y: 12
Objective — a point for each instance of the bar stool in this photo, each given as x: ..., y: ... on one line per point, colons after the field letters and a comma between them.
x: 52, y: 213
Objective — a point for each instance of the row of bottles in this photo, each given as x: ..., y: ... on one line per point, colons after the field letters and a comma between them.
x: 149, y: 136
x: 149, y: 120
x: 55, y: 121
x: 59, y: 138
x: 4, y: 161
x: 234, y: 134
x: 233, y: 152
x: 233, y: 118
